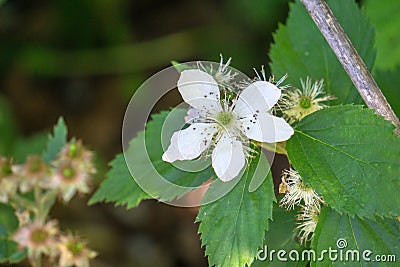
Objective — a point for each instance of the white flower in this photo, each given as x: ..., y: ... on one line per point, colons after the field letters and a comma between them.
x: 225, y: 126
x: 297, y: 104
x: 191, y: 115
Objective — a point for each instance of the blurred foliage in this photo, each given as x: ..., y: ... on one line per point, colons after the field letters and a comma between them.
x: 389, y: 82
x: 382, y: 14
x: 7, y: 127
x: 74, y: 37
x: 387, y: 42
x: 12, y: 142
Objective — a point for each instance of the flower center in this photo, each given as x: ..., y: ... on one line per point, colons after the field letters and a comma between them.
x: 39, y: 236
x: 305, y: 102
x: 68, y: 173
x: 75, y: 247
x: 225, y: 118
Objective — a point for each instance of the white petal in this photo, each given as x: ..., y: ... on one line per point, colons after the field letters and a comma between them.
x: 264, y: 127
x: 258, y: 97
x: 228, y: 158
x: 190, y: 142
x: 191, y: 115
x: 200, y: 90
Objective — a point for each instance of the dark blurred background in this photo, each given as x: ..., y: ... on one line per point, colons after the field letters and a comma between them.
x: 84, y: 59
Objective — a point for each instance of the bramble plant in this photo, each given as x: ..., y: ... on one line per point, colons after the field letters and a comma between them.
x: 344, y: 159
x: 337, y: 202
x: 28, y: 192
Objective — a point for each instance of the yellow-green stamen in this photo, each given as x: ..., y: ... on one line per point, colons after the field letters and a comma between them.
x: 305, y: 102
x: 39, y: 236
x: 225, y: 118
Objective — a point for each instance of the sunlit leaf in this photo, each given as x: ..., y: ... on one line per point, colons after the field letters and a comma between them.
x: 350, y: 156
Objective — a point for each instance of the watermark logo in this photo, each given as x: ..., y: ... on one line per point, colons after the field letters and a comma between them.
x: 339, y: 253
x: 341, y: 243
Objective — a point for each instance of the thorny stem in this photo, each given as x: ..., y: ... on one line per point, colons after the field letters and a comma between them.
x: 350, y: 59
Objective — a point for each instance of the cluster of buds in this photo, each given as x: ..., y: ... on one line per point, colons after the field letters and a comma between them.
x: 45, y: 239
x: 299, y: 194
x: 70, y: 173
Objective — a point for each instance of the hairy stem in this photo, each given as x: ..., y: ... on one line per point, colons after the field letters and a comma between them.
x: 350, y: 59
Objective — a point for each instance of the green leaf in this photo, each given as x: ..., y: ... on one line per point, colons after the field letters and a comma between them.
x: 387, y: 31
x: 350, y: 156
x: 300, y: 49
x: 380, y: 236
x: 119, y: 186
x: 8, y: 220
x: 8, y: 224
x: 281, y: 236
x: 388, y: 81
x: 9, y: 252
x: 233, y: 227
x: 56, y: 141
x: 153, y: 177
x: 161, y: 179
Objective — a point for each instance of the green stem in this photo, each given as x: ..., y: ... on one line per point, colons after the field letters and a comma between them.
x: 38, y: 260
x: 39, y: 214
x: 46, y: 203
x: 18, y: 201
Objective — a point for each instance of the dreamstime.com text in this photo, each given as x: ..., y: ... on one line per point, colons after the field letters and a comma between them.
x: 340, y: 253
